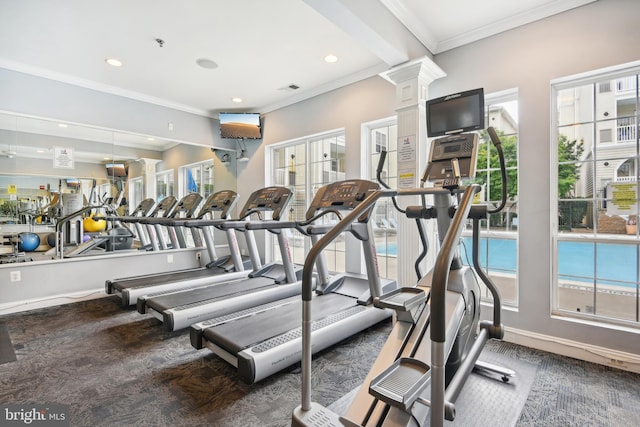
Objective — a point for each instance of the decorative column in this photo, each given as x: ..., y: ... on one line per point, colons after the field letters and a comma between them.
x: 412, y: 80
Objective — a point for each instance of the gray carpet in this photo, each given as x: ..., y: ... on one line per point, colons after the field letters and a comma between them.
x: 7, y: 354
x: 485, y: 400
x: 115, y: 367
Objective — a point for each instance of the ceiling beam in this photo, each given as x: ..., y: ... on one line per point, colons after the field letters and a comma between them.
x: 366, y: 30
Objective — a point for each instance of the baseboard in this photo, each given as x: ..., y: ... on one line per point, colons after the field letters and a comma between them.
x: 577, y: 350
x: 17, y: 306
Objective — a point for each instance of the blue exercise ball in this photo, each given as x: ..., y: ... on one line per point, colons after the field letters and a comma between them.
x: 29, y: 242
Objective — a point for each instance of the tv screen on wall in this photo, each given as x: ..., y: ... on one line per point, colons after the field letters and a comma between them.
x: 116, y: 170
x: 459, y: 112
x: 240, y: 125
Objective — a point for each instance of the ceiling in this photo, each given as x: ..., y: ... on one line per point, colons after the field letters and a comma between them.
x: 260, y: 48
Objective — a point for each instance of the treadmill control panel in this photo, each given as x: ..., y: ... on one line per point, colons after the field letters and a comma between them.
x: 273, y: 199
x: 164, y: 207
x: 221, y: 201
x: 188, y: 205
x: 341, y: 195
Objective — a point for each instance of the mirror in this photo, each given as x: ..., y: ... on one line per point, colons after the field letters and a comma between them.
x: 49, y: 169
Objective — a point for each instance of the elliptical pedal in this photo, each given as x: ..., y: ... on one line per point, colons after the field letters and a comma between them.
x: 401, y: 383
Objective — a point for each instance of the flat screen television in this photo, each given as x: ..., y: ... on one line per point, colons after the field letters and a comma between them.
x: 240, y: 125
x: 116, y: 170
x: 73, y: 182
x: 456, y: 113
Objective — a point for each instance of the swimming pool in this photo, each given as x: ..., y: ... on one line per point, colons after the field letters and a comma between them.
x: 616, y: 264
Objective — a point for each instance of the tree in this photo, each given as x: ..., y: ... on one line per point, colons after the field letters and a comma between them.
x: 510, y: 150
x: 569, y: 155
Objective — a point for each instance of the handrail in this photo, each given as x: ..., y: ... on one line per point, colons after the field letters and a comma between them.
x: 438, y: 304
x: 72, y: 215
x: 314, y: 253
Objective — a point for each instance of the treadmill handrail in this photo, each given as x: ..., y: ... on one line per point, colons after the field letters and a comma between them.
x: 343, y: 225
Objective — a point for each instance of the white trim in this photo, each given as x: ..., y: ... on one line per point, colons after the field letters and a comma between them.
x: 413, y: 23
x: 593, y: 76
x: 32, y: 304
x: 418, y: 28
x: 100, y: 87
x: 582, y: 351
x: 510, y: 22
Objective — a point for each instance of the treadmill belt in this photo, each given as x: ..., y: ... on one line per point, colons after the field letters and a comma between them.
x: 237, y: 335
x: 164, y: 302
x: 162, y: 279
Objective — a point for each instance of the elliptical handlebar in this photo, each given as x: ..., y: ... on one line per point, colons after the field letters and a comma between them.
x: 503, y: 169
x: 314, y: 253
x: 421, y: 232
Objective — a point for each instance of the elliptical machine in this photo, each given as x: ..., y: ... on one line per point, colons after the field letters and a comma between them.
x: 435, y: 343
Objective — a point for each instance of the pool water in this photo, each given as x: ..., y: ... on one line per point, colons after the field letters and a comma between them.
x: 614, y: 264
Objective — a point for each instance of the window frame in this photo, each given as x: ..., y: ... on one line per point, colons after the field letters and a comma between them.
x: 594, y: 78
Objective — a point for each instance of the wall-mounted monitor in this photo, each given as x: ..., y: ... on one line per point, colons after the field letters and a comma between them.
x: 73, y: 182
x: 118, y: 170
x: 456, y: 113
x: 240, y: 125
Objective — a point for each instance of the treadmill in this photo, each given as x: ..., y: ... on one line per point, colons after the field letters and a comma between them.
x: 267, y: 339
x: 144, y: 209
x: 109, y: 240
x: 180, y: 309
x: 162, y: 209
x: 220, y: 269
x: 185, y: 208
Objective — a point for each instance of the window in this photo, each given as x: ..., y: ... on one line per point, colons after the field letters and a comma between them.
x: 305, y: 165
x: 383, y: 136
x: 136, y: 192
x: 498, y: 236
x: 197, y: 178
x: 164, y: 185
x: 595, y: 197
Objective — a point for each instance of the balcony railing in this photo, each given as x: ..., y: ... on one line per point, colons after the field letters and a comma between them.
x: 626, y: 84
x: 626, y: 130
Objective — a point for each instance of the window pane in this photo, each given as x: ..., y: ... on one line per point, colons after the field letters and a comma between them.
x: 575, y: 105
x: 597, y: 176
x: 503, y: 226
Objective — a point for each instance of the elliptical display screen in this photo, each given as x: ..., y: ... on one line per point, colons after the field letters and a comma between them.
x: 456, y: 113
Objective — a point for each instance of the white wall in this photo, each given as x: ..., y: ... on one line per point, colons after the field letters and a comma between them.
x: 601, y: 34
x: 37, y: 96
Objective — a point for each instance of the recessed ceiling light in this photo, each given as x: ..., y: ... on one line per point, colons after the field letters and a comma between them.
x: 113, y: 62
x: 331, y: 59
x: 206, y: 63
x: 236, y: 100
x: 62, y: 125
x: 151, y: 139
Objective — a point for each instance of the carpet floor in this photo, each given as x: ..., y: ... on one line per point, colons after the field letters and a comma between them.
x: 115, y: 367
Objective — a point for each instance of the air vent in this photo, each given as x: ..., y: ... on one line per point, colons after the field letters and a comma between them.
x: 290, y: 88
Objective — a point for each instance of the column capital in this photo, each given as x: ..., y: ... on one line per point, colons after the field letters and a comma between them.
x: 423, y: 69
x: 412, y: 80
